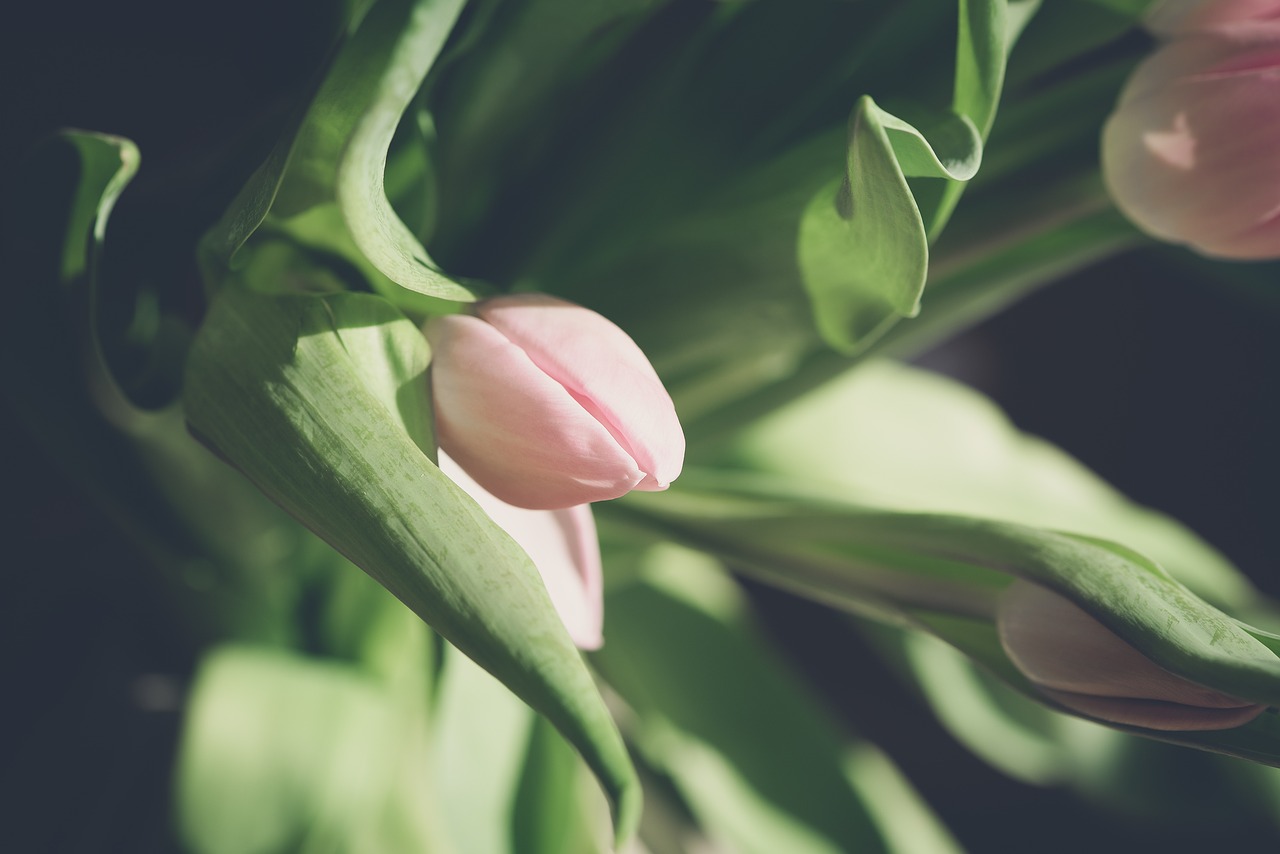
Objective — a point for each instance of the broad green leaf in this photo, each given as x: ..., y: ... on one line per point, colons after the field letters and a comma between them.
x: 897, y: 437
x: 338, y: 151
x: 480, y: 733
x: 862, y: 248
x: 285, y: 753
x: 945, y: 573
x: 557, y: 810
x: 321, y: 403
x: 507, y: 782
x: 710, y: 702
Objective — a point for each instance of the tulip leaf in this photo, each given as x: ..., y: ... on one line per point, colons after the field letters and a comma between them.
x: 862, y: 248
x: 987, y: 32
x: 902, y: 438
x: 480, y: 734
x: 310, y: 398
x: 944, y: 574
x: 406, y: 38
x: 107, y: 165
x: 281, y: 752
x: 945, y: 145
x: 338, y: 151
x: 506, y: 781
x: 709, y: 699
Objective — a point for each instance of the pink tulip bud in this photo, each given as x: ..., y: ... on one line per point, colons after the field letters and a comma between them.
x: 563, y: 546
x: 1168, y: 18
x: 549, y: 405
x: 1192, y: 152
x: 1079, y: 663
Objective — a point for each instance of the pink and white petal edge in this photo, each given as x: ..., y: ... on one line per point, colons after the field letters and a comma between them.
x: 563, y: 546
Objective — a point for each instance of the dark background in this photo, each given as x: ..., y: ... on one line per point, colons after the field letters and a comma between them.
x: 1151, y: 368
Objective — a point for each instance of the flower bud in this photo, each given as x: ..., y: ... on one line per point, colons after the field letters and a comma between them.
x: 1192, y: 152
x: 563, y: 546
x: 548, y: 405
x: 1079, y: 663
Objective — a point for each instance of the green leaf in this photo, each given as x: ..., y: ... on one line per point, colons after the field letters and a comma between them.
x: 338, y: 150
x: 711, y: 701
x: 321, y: 402
x: 403, y: 41
x: 897, y: 437
x: 283, y: 753
x: 945, y: 573
x: 480, y: 733
x: 987, y: 32
x: 555, y: 813
x: 862, y: 248
x: 107, y: 165
x: 945, y: 145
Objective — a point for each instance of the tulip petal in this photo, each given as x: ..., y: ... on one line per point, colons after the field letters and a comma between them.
x: 1190, y: 153
x: 605, y: 372
x: 1155, y: 714
x: 517, y: 431
x: 1180, y: 17
x: 1082, y: 664
x: 564, y: 548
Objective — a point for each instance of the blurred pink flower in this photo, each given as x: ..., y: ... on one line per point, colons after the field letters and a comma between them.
x: 548, y: 405
x: 1168, y: 18
x: 1191, y: 153
x: 1081, y: 664
x: 562, y: 544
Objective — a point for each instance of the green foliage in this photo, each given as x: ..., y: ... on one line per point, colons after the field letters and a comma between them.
x: 337, y: 153
x: 707, y: 699
x: 322, y: 403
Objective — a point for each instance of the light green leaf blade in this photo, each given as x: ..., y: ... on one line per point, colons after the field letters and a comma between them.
x: 281, y: 752
x: 557, y: 809
x: 274, y: 386
x: 709, y: 701
x: 862, y: 248
x: 945, y: 574
x: 480, y: 733
x: 898, y: 437
x: 943, y: 145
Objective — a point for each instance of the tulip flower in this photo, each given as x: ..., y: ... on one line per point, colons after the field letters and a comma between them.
x: 563, y: 546
x: 548, y: 405
x: 1181, y: 17
x: 1192, y: 152
x: 1082, y: 665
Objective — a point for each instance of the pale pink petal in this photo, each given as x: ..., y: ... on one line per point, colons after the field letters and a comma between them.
x: 1192, y: 154
x: 1169, y: 18
x: 1085, y: 666
x: 518, y: 432
x: 563, y: 546
x: 605, y: 372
